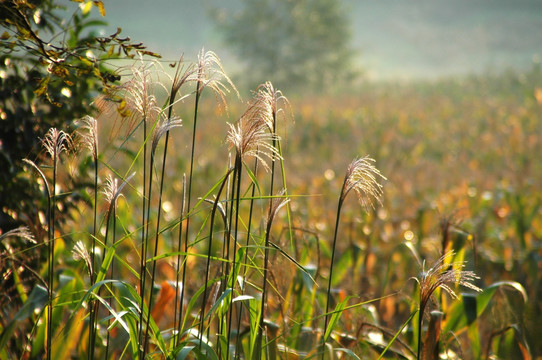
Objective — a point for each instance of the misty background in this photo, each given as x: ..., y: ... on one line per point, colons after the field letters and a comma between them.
x: 392, y: 39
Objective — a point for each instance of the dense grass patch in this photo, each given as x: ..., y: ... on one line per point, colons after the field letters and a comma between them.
x: 227, y: 234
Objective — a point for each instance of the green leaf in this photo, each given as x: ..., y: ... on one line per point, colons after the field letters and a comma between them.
x: 335, y: 318
x: 463, y: 313
x: 36, y: 300
x: 396, y: 335
x: 206, y: 352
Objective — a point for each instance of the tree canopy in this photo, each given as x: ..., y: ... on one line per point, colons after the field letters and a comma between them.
x: 296, y: 44
x: 51, y: 68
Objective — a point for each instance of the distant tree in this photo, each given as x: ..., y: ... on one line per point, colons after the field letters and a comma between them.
x: 295, y: 43
x: 51, y: 68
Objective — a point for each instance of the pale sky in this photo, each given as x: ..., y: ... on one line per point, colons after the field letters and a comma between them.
x: 394, y: 38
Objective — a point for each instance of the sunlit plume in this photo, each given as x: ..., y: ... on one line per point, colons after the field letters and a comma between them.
x: 89, y: 135
x: 443, y: 275
x: 362, y: 176
x: 210, y: 73
x: 55, y: 142
x: 250, y: 137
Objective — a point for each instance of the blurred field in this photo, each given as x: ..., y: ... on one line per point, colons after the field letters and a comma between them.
x: 461, y: 158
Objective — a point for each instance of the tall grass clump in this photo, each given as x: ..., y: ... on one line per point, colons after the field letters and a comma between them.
x: 200, y: 247
x: 55, y: 143
x: 89, y: 138
x: 442, y: 275
x: 362, y: 177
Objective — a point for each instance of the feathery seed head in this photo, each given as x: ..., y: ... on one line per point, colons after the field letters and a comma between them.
x: 276, y: 204
x: 252, y: 138
x: 139, y: 91
x: 183, y: 74
x: 162, y: 128
x: 55, y: 142
x: 22, y: 232
x: 89, y: 135
x: 443, y: 275
x: 362, y: 176
x: 112, y: 190
x: 80, y: 252
x: 134, y: 99
x: 210, y: 73
x: 272, y: 101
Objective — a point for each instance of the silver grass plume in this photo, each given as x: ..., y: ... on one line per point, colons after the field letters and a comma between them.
x: 183, y: 74
x: 55, y: 142
x: 89, y: 135
x: 140, y: 92
x: 362, y: 177
x: 22, y: 232
x: 251, y: 135
x: 276, y: 204
x: 252, y: 139
x: 163, y: 128
x: 269, y: 102
x: 112, y: 190
x: 443, y: 275
x: 210, y: 73
x: 135, y: 99
x: 80, y: 252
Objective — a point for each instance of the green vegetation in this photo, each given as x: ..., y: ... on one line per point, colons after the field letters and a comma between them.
x: 301, y: 45
x: 229, y: 233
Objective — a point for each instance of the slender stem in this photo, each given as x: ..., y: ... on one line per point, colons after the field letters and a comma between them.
x: 110, y: 210
x: 51, y: 257
x: 211, y: 232
x: 238, y: 167
x: 151, y: 297
x: 238, y: 341
x: 266, y: 250
x: 192, y: 155
x: 144, y: 254
x: 143, y: 266
x: 189, y: 192
x: 179, y: 311
x: 170, y: 111
x: 328, y: 296
x: 420, y: 323
x: 92, y: 316
x: 264, y: 285
x: 226, y: 249
x: 112, y: 269
x: 49, y: 236
x: 288, y: 209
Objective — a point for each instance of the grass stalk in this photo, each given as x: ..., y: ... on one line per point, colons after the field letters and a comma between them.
x: 192, y: 156
x: 90, y: 140
x: 51, y: 253
x: 249, y: 228
x: 169, y: 124
x: 145, y: 249
x: 238, y: 167
x: 49, y: 241
x: 179, y: 298
x: 361, y: 176
x: 54, y: 142
x: 92, y: 315
x: 155, y: 253
x: 113, y: 209
x: 143, y: 263
x: 224, y: 181
x: 276, y: 202
x: 330, y: 277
